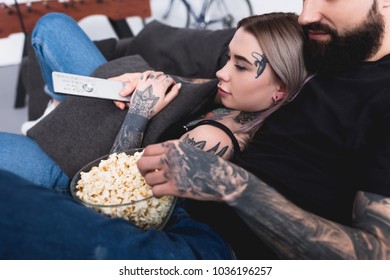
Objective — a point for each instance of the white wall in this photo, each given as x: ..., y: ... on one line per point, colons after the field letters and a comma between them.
x: 97, y: 27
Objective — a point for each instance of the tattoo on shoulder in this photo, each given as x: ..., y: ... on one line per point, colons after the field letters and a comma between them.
x: 216, y: 150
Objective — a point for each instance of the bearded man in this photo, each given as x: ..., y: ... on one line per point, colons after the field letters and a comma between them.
x: 319, y: 185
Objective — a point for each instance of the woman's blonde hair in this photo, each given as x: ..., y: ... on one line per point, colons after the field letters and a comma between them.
x: 281, y: 39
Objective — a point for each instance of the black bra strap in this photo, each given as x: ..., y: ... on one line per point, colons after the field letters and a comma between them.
x: 236, y: 147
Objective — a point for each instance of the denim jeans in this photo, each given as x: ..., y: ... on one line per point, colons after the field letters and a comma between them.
x: 37, y: 223
x: 23, y: 156
x: 61, y: 45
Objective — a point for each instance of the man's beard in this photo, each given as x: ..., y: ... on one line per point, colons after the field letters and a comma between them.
x: 343, y: 52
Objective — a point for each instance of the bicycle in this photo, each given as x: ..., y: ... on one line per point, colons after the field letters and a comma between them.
x: 213, y: 14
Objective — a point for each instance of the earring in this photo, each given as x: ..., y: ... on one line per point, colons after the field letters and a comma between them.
x: 275, y: 101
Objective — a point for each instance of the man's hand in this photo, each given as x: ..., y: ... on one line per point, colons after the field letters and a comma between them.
x: 175, y: 168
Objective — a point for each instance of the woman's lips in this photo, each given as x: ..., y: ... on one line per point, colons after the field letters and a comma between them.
x: 222, y: 93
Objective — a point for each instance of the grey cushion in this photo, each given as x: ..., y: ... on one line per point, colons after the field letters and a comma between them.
x: 82, y: 129
x: 179, y: 51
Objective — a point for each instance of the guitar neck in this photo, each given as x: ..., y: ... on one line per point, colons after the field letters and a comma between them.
x: 23, y: 17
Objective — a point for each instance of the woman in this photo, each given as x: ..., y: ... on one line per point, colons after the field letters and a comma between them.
x: 261, y: 74
x: 264, y: 70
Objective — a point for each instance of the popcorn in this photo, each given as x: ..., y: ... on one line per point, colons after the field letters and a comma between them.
x: 117, y: 180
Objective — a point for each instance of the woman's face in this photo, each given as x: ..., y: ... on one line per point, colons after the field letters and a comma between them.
x: 247, y: 82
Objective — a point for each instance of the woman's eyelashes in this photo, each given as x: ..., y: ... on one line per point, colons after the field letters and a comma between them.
x: 239, y: 67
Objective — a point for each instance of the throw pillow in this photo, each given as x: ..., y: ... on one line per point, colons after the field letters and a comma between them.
x: 82, y: 129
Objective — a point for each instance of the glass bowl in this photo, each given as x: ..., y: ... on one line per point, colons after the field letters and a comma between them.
x: 113, y: 186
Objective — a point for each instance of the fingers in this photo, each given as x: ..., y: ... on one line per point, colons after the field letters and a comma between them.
x: 152, y: 167
x: 157, y: 78
x: 150, y: 75
x: 154, y: 149
x: 151, y: 159
x: 127, y: 77
x: 120, y: 105
x: 155, y: 177
x: 172, y: 93
x: 130, y: 81
x: 127, y: 89
x: 163, y: 189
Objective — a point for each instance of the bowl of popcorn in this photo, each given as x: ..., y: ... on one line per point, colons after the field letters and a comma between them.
x: 113, y: 186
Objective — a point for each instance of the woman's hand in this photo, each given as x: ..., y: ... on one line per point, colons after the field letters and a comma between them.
x: 131, y: 81
x: 154, y: 92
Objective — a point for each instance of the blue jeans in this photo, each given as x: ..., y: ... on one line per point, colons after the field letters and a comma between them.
x: 61, y: 45
x: 37, y: 223
x: 24, y: 157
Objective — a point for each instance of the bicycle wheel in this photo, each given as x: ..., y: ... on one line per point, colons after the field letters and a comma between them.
x: 170, y: 12
x: 226, y: 13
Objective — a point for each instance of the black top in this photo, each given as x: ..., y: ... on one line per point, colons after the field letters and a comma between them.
x: 328, y: 143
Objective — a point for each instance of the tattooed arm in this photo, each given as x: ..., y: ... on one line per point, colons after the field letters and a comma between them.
x: 149, y: 98
x: 291, y: 232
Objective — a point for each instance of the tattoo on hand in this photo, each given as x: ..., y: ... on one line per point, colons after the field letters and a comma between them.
x: 142, y: 102
x: 201, y: 174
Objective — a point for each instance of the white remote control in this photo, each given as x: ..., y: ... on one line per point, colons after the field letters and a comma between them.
x: 88, y: 86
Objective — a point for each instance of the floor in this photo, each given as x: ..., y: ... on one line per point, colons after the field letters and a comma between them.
x: 11, y: 118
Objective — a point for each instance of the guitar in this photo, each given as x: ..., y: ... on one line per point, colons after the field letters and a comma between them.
x: 23, y: 17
